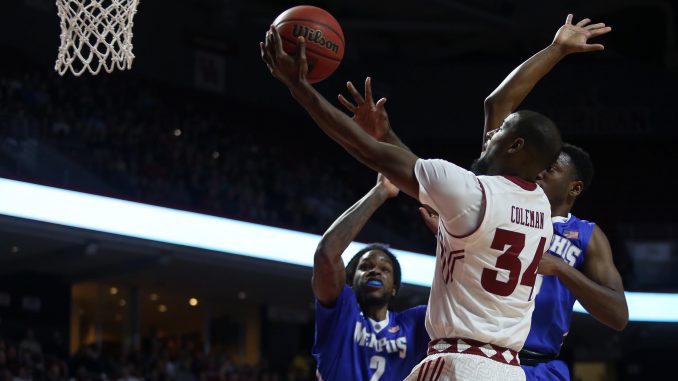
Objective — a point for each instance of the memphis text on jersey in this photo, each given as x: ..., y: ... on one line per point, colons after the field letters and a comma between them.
x: 370, y: 340
x: 527, y: 217
x: 565, y: 249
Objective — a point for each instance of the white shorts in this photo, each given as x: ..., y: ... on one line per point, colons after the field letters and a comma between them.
x: 464, y: 367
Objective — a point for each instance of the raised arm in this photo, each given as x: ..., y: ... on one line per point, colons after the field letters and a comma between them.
x: 570, y: 38
x: 329, y: 273
x: 598, y: 287
x: 394, y: 162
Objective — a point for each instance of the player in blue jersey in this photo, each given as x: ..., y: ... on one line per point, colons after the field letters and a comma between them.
x: 581, y: 266
x: 356, y: 336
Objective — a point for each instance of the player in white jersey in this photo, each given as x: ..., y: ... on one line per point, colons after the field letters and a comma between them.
x: 609, y: 305
x: 498, y: 220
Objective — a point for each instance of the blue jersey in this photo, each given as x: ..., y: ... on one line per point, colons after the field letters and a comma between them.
x: 553, y: 306
x: 350, y: 346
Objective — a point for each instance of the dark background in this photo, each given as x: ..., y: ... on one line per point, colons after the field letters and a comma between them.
x: 435, y: 60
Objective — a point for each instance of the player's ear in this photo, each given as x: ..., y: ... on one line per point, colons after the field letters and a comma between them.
x: 516, y: 145
x: 576, y: 187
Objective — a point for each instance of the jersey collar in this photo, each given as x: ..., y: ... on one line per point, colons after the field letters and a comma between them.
x: 378, y: 326
x: 561, y: 218
x: 527, y: 185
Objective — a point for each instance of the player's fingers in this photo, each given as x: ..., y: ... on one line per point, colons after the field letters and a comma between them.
x: 264, y: 55
x: 568, y: 19
x: 594, y: 47
x: 277, y: 40
x: 381, y: 103
x: 356, y: 95
x: 595, y: 26
x: 262, y: 51
x: 270, y: 47
x: 368, y: 90
x: 601, y: 31
x: 301, y: 45
x: 583, y: 22
x: 349, y: 106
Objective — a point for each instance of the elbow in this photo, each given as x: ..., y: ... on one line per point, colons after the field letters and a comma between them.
x: 498, y: 104
x: 491, y: 101
x: 620, y: 325
x: 494, y: 101
x: 321, y: 251
x: 621, y: 319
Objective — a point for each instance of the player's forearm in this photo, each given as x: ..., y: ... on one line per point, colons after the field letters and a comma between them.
x: 603, y: 303
x: 518, y: 84
x: 392, y: 138
x: 345, y: 228
x: 335, y: 123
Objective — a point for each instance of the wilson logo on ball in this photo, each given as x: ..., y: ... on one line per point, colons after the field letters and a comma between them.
x: 314, y: 36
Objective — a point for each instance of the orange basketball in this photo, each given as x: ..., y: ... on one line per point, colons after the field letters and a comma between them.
x: 323, y: 35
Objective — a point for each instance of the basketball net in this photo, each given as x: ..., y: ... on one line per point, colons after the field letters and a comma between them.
x: 95, y: 34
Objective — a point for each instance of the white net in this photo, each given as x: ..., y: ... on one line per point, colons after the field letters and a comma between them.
x: 95, y: 34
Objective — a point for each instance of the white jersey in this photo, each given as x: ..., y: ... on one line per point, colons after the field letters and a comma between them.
x: 485, y: 281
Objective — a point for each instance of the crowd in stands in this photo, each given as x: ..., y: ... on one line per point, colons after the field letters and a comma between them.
x: 29, y: 359
x: 188, y: 150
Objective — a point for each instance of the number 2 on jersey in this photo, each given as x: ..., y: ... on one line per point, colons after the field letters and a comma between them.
x: 378, y: 363
x: 509, y: 261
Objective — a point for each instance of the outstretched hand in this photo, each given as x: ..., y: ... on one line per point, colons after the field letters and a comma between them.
x: 573, y: 38
x: 372, y: 117
x: 289, y: 69
x: 390, y: 189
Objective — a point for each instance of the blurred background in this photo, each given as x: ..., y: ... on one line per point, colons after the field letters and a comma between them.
x: 199, y: 124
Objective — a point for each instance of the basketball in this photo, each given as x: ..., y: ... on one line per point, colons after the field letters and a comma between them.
x: 323, y: 34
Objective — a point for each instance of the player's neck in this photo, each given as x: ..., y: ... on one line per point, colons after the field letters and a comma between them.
x: 561, y: 210
x: 376, y: 313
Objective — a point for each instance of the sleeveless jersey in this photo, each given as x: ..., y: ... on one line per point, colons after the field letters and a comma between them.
x: 350, y: 346
x: 553, y: 306
x: 485, y: 282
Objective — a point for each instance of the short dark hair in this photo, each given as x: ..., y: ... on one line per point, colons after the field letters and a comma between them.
x: 353, y: 264
x: 581, y: 161
x: 541, y: 135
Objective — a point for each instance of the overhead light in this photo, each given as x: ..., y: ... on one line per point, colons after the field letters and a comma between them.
x: 153, y: 297
x: 122, y: 302
x: 193, y: 302
x: 231, y: 237
x: 177, y: 132
x: 14, y: 249
x: 242, y: 295
x: 113, y: 290
x: 162, y: 308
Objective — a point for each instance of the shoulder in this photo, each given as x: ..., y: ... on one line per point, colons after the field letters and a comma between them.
x: 414, y: 313
x: 345, y: 300
x: 440, y: 168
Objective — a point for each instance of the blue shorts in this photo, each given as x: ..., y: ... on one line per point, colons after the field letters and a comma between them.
x: 555, y: 370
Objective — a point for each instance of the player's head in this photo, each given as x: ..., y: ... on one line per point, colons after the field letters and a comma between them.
x: 374, y: 274
x: 524, y: 145
x: 568, y: 177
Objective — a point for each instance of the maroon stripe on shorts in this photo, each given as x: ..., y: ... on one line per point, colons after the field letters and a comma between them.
x: 438, y: 369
